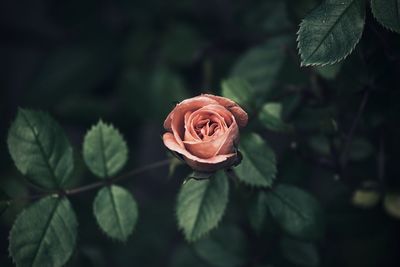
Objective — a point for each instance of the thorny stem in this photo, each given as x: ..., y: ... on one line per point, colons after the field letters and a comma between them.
x: 95, y: 185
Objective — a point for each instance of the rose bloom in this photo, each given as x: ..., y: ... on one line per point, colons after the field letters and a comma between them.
x: 204, y: 131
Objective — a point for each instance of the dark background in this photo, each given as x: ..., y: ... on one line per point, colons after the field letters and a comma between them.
x: 128, y: 62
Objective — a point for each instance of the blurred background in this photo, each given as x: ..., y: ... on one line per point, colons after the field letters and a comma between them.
x: 129, y: 62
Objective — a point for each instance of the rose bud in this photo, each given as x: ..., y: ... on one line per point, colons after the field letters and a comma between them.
x: 204, y: 132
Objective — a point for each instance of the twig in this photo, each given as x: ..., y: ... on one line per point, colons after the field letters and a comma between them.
x: 95, y: 185
x: 345, y: 153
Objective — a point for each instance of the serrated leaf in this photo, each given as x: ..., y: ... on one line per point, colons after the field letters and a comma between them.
x: 40, y: 149
x: 116, y: 211
x: 239, y: 90
x: 299, y: 252
x: 44, y: 234
x: 391, y: 204
x: 270, y: 117
x: 260, y: 65
x: 387, y: 13
x: 201, y: 205
x: 225, y: 247
x: 296, y: 212
x: 258, y: 167
x: 331, y: 31
x: 258, y: 212
x: 104, y: 150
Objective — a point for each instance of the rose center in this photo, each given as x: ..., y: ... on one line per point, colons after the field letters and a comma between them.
x: 206, y: 128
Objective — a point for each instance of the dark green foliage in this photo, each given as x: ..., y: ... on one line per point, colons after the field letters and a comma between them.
x: 318, y: 184
x: 296, y: 212
x: 40, y: 149
x: 44, y: 234
x: 258, y: 167
x: 299, y: 252
x: 116, y: 212
x: 331, y: 31
x: 225, y: 247
x: 387, y: 13
x: 104, y: 150
x: 201, y: 205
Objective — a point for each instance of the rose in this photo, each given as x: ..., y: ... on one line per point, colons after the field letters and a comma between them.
x: 204, y: 130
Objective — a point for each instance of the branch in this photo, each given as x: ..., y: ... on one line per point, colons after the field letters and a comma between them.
x: 345, y: 153
x: 101, y: 183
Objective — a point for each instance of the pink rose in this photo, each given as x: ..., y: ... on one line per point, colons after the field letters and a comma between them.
x: 204, y: 130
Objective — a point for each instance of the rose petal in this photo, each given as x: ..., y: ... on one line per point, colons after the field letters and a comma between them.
x: 239, y: 114
x: 216, y: 113
x: 175, y: 119
x: 190, y: 133
x: 180, y: 109
x: 231, y: 141
x: 197, y: 163
x: 223, y: 144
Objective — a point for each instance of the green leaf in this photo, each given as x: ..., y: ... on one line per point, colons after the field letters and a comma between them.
x: 299, y: 252
x: 331, y: 31
x: 239, y: 90
x: 387, y: 13
x: 4, y: 201
x: 200, y: 175
x: 391, y: 204
x: 116, y: 211
x: 258, y: 212
x: 258, y: 167
x: 260, y: 65
x: 40, y: 149
x: 104, y: 150
x: 201, y: 205
x: 296, y: 212
x: 44, y: 234
x: 271, y: 117
x: 225, y: 247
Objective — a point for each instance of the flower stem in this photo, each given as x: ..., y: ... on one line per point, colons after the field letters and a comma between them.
x: 89, y: 187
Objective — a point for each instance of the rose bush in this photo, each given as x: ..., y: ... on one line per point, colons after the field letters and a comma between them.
x: 204, y: 130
